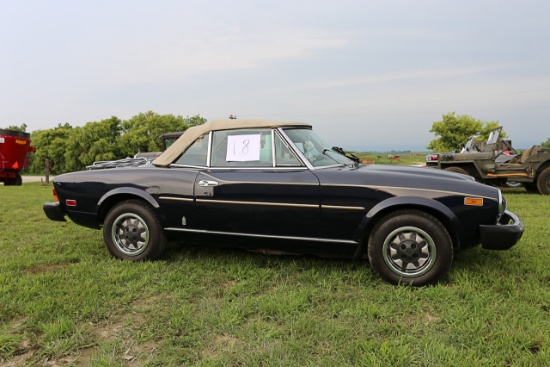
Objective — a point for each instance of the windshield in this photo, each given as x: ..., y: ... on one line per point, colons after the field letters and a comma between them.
x: 315, y: 149
x: 469, y: 144
x: 493, y: 136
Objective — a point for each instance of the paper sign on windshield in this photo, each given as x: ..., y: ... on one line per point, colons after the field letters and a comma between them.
x: 243, y: 148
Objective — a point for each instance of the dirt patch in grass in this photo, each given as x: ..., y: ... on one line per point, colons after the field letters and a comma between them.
x: 222, y: 344
x: 45, y: 268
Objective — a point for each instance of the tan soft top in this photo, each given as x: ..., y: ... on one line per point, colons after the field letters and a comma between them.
x: 195, y: 132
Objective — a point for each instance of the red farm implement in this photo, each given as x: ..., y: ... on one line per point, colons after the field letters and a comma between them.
x: 14, y: 147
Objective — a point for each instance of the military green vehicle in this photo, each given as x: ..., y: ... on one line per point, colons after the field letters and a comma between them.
x: 497, y: 162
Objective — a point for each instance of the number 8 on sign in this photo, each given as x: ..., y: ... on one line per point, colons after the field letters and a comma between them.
x: 243, y: 148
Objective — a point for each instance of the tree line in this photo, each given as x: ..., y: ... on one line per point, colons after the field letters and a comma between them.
x: 453, y: 131
x: 73, y: 148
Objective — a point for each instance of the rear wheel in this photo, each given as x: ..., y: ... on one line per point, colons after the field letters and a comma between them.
x: 132, y: 231
x: 17, y: 181
x: 543, y: 182
x: 410, y: 247
x: 513, y: 184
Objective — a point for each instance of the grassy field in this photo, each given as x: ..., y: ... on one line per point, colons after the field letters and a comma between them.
x: 397, y: 159
x: 65, y: 302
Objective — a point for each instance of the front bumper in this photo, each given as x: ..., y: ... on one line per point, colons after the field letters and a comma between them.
x: 503, y: 235
x: 53, y: 211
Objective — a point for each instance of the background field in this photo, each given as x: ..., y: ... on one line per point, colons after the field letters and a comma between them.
x: 406, y: 159
x: 64, y: 301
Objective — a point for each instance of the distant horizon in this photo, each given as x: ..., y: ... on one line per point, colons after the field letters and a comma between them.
x: 376, y: 148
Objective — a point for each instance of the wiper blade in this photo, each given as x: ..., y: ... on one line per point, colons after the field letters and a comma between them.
x: 349, y: 155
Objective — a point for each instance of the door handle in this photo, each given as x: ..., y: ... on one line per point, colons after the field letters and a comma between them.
x: 206, y: 183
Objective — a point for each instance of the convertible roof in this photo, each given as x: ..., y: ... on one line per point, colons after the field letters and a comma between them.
x: 195, y: 132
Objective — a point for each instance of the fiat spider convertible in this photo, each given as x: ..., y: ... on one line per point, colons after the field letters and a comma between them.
x: 278, y: 187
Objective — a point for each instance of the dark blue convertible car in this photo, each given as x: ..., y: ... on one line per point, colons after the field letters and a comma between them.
x: 278, y: 187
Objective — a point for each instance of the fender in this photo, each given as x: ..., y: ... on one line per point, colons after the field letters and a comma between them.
x: 142, y: 194
x: 399, y: 202
x: 129, y: 190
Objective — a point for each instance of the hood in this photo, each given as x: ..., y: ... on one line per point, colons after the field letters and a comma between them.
x: 423, y: 171
x: 403, y: 178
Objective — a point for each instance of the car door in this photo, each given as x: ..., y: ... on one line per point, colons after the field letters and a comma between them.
x: 255, y: 186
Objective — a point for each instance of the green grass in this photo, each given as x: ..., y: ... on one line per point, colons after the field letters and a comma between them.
x: 64, y: 301
x: 395, y: 159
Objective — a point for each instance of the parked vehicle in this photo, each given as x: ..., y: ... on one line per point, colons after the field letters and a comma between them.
x: 497, y: 162
x: 277, y: 186
x: 14, y: 147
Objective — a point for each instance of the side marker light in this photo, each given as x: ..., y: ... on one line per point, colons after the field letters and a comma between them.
x: 473, y: 201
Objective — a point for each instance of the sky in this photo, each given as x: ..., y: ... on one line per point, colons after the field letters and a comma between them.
x: 368, y: 75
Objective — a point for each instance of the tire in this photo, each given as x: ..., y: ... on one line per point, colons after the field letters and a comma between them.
x: 17, y: 181
x: 457, y: 170
x: 543, y: 182
x: 410, y: 247
x: 513, y: 184
x: 132, y: 231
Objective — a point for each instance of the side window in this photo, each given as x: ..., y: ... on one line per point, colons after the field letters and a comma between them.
x: 242, y: 148
x: 196, y: 154
x: 283, y: 155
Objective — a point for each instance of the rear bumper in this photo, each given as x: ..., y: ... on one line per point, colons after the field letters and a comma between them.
x: 503, y: 235
x: 53, y: 211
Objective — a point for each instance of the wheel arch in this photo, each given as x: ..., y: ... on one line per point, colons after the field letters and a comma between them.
x: 469, y: 166
x: 542, y: 167
x: 113, y: 197
x: 430, y: 206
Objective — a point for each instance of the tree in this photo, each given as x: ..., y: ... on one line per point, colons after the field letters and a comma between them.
x: 22, y: 128
x: 454, y: 130
x: 72, y: 149
x: 50, y: 143
x: 546, y: 143
x: 142, y: 132
x: 95, y: 141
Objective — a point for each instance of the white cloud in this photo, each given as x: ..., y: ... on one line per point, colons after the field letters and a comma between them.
x: 398, y: 76
x: 177, y: 58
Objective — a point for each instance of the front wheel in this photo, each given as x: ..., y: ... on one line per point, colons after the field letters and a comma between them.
x: 132, y: 231
x: 410, y: 247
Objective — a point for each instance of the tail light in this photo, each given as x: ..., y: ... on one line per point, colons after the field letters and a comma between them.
x: 55, y: 195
